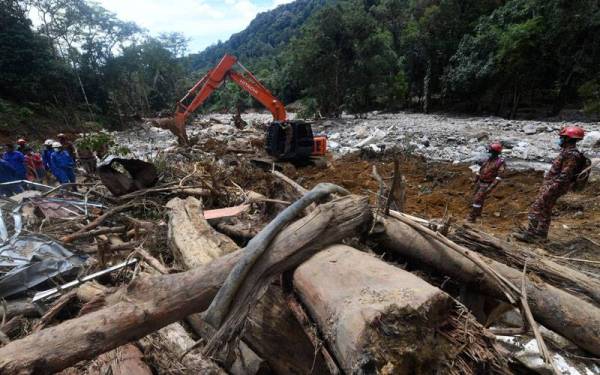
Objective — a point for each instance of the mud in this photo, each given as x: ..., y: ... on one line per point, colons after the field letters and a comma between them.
x: 438, y: 189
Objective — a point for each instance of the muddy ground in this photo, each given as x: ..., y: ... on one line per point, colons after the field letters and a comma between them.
x: 438, y: 189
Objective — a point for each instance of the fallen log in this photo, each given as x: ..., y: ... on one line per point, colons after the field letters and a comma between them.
x: 237, y: 231
x: 246, y: 283
x: 271, y: 330
x: 193, y: 241
x: 556, y: 274
x: 377, y: 318
x: 13, y: 326
x: 166, y: 347
x: 150, y: 303
x: 556, y: 309
x: 275, y: 334
x: 19, y: 307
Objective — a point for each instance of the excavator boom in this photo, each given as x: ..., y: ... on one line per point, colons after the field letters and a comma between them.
x: 198, y: 94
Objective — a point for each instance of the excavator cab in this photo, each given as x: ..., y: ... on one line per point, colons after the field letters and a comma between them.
x: 289, y: 140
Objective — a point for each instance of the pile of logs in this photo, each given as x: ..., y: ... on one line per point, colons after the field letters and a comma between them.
x: 299, y: 299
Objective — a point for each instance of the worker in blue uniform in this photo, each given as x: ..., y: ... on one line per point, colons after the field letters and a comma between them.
x: 15, y: 159
x: 8, y: 174
x: 63, y: 165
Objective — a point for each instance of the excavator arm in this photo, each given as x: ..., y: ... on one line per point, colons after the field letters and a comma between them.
x: 198, y: 94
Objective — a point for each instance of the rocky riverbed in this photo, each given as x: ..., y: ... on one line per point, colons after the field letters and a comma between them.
x: 458, y: 139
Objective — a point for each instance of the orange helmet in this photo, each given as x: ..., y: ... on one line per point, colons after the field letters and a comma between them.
x: 573, y: 132
x: 495, y: 147
x: 21, y: 141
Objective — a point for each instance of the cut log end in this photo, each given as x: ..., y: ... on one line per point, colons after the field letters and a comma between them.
x: 380, y: 319
x: 402, y: 340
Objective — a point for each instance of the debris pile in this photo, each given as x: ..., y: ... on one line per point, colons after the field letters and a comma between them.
x: 200, y: 260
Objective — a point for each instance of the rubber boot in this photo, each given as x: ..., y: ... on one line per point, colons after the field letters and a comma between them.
x: 474, y: 214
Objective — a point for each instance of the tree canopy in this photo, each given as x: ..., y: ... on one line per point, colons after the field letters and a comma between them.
x: 507, y: 57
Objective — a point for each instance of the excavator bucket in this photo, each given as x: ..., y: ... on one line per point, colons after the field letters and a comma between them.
x: 176, y: 126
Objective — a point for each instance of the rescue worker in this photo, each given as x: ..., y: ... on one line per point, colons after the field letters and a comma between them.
x: 67, y: 145
x: 557, y: 182
x: 63, y: 165
x: 30, y: 172
x: 488, y: 177
x: 34, y: 165
x: 21, y: 145
x: 46, y: 158
x: 8, y: 174
x: 15, y: 159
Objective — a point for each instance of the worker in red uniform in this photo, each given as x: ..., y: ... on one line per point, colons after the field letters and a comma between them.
x: 557, y: 182
x: 488, y: 177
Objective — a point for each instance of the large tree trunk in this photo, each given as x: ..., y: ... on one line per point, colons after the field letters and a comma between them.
x: 556, y: 309
x: 374, y: 315
x: 275, y: 334
x: 193, y: 241
x: 554, y: 273
x: 150, y: 303
x: 271, y: 330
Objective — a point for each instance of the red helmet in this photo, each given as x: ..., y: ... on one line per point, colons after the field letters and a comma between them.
x: 21, y: 141
x: 573, y: 132
x: 495, y: 147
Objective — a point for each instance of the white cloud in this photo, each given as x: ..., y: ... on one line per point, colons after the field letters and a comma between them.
x: 204, y: 21
x: 280, y: 2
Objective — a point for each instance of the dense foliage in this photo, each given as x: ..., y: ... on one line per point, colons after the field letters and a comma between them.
x: 504, y: 57
x: 508, y: 57
x: 85, y: 63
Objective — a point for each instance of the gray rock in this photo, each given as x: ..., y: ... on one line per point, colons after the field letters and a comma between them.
x: 482, y: 136
x: 530, y: 129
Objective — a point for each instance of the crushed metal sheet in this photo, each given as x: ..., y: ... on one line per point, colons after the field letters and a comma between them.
x: 51, y: 292
x: 3, y: 230
x: 28, y: 261
x: 62, y: 208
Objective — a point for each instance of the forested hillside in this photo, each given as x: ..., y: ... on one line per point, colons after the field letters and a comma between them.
x: 79, y: 64
x: 510, y: 58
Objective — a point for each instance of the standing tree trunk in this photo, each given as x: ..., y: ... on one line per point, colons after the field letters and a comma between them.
x: 427, y: 87
x: 515, y: 101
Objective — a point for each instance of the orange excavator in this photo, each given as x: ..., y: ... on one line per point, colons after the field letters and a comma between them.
x: 285, y: 139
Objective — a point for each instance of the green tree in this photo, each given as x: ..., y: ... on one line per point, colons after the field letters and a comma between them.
x: 540, y: 50
x: 343, y: 59
x: 28, y: 71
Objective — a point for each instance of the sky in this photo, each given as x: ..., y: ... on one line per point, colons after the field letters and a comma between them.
x: 205, y: 22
